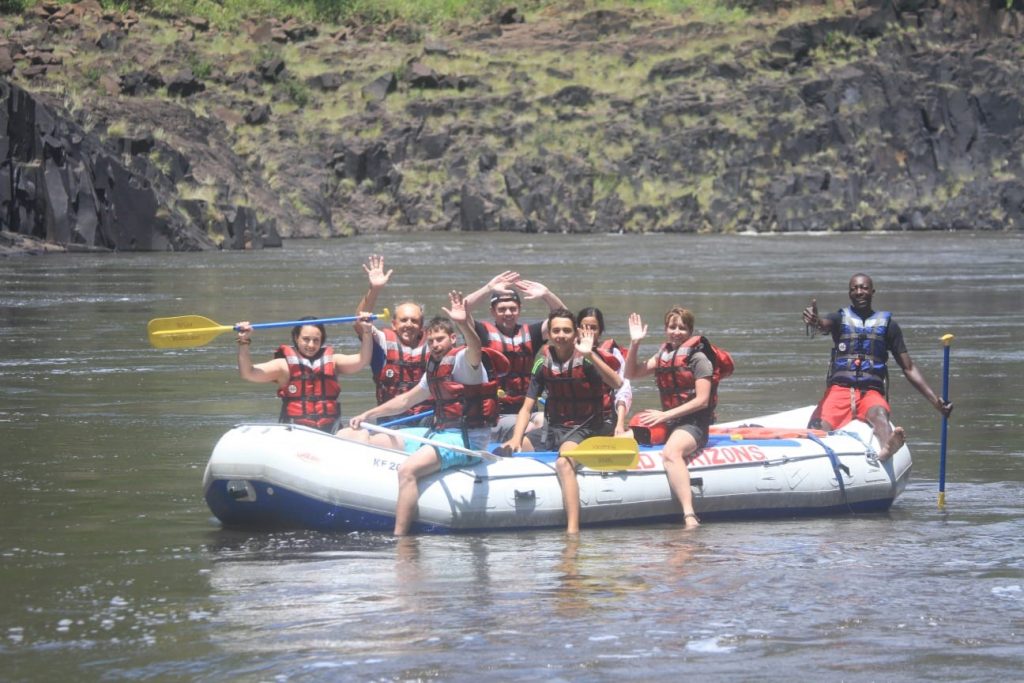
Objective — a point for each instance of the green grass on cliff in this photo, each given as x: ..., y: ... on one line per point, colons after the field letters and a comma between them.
x: 228, y: 13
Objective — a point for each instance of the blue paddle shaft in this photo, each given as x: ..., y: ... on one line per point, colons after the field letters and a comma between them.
x: 408, y: 418
x: 945, y: 420
x: 317, y: 321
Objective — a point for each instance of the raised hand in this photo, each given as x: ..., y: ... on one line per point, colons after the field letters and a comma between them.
x: 811, y: 318
x: 637, y: 328
x: 531, y: 289
x: 585, y: 341
x: 374, y: 268
x: 457, y: 312
x: 811, y: 313
x: 503, y: 282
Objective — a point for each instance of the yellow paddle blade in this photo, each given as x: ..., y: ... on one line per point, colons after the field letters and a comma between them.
x: 607, y: 453
x: 183, y: 331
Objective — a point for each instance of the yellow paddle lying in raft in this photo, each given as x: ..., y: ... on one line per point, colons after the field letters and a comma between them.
x: 187, y: 331
x: 607, y: 453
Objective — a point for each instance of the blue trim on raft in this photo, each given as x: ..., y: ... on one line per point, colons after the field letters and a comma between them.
x: 286, y: 509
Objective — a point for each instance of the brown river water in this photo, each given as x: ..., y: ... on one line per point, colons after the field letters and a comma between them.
x: 113, y: 567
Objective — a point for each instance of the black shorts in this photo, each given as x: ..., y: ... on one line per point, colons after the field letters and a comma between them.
x: 550, y: 437
x: 698, y: 432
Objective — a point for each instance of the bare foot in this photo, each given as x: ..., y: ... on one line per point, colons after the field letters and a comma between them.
x: 690, y: 521
x: 895, y: 443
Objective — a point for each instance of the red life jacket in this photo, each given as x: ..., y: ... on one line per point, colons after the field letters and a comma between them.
x: 402, y: 369
x: 520, y: 350
x: 675, y: 380
x: 575, y: 397
x: 465, y: 405
x: 607, y: 347
x: 311, y: 396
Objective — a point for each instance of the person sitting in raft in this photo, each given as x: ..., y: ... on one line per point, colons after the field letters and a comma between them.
x: 683, y: 371
x: 618, y: 402
x: 457, y: 378
x: 400, y: 351
x: 575, y: 375
x: 306, y: 373
x: 858, y: 376
x: 519, y: 342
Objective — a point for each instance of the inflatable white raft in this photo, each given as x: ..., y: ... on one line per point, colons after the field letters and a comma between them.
x: 274, y: 476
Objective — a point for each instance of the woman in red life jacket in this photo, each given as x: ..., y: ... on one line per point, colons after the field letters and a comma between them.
x: 306, y: 373
x: 683, y: 371
x: 617, y: 403
x: 574, y: 374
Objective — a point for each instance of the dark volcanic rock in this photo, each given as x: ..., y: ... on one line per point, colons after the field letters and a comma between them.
x: 877, y: 114
x: 141, y: 82
x: 327, y: 82
x: 271, y: 70
x: 509, y: 15
x: 63, y: 185
x: 258, y: 115
x: 575, y: 96
x: 184, y: 83
x: 380, y: 88
x: 68, y: 190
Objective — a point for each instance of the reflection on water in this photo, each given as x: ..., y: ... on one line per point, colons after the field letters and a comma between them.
x: 115, y: 569
x: 845, y: 595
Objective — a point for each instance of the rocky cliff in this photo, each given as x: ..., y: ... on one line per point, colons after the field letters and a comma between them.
x: 122, y: 131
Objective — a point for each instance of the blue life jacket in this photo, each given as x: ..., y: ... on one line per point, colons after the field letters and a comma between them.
x: 860, y: 353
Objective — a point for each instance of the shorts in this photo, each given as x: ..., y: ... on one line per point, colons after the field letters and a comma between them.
x: 835, y: 408
x: 551, y: 437
x: 449, y: 458
x: 699, y: 434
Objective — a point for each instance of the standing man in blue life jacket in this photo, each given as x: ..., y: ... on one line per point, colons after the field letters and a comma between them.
x: 517, y: 341
x: 400, y: 351
x: 858, y: 376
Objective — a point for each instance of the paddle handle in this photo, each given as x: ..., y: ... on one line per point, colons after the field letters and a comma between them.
x: 947, y: 339
x: 489, y: 457
x: 384, y: 315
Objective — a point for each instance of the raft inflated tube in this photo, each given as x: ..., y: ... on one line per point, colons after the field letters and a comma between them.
x: 765, y: 433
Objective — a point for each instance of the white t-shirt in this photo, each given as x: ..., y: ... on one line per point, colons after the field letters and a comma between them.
x: 624, y: 393
x: 462, y: 372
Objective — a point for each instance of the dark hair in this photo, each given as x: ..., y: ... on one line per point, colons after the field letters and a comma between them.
x: 297, y: 330
x: 592, y: 312
x: 440, y: 322
x: 561, y: 313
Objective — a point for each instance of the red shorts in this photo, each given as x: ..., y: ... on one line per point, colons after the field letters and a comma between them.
x: 836, y: 410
